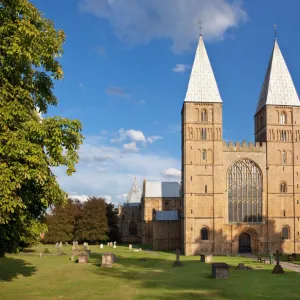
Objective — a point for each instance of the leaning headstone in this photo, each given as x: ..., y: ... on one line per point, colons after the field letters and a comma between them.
x: 130, y: 247
x: 108, y: 260
x: 278, y: 268
x: 101, y: 246
x: 177, y: 262
x: 220, y: 270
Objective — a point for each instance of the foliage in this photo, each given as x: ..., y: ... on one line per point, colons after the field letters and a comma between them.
x: 46, y: 251
x: 112, y: 217
x: 92, y: 225
x: 30, y: 47
x: 62, y: 222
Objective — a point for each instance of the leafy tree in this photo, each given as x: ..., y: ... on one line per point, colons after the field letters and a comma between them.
x: 92, y: 225
x: 62, y: 222
x: 112, y: 217
x: 30, y: 47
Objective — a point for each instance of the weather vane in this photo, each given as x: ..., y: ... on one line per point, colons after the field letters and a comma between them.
x: 275, y: 31
x: 200, y: 27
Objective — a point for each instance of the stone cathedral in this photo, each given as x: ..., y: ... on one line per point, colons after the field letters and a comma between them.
x: 234, y: 197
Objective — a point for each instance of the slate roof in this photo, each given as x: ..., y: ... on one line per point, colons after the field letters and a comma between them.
x: 162, y: 189
x: 167, y: 215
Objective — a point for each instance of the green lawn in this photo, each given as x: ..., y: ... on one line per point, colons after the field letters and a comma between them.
x: 27, y: 277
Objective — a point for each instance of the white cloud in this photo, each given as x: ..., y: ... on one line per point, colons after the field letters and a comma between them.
x: 84, y: 198
x: 135, y: 136
x: 171, y: 173
x: 122, y: 197
x: 130, y: 147
x: 181, y: 68
x: 152, y: 139
x: 140, y: 21
x: 100, y: 177
x: 142, y: 102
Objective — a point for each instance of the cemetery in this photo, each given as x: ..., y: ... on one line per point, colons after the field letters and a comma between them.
x: 119, y: 272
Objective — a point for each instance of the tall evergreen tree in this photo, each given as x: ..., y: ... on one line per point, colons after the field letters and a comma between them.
x: 92, y: 225
x: 30, y: 145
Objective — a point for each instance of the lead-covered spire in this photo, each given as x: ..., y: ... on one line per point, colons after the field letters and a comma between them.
x: 134, y: 195
x: 202, y: 85
x: 278, y: 87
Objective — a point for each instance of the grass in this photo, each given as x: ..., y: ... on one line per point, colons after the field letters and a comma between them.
x: 26, y: 276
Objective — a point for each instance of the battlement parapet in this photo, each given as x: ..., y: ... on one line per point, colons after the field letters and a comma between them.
x: 244, y: 147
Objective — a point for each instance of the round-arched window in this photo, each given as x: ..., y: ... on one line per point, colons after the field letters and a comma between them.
x: 204, y: 234
x: 245, y: 186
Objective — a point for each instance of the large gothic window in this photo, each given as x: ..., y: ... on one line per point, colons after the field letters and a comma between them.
x: 244, y: 180
x: 132, y: 228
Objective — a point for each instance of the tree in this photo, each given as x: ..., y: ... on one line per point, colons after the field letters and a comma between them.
x: 30, y: 47
x: 92, y: 225
x: 61, y: 222
x: 112, y: 217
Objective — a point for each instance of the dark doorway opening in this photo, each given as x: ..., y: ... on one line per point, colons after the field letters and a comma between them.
x: 245, y: 243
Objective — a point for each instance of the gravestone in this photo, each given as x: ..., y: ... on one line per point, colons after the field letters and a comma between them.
x: 278, y: 268
x: 72, y: 257
x: 60, y: 244
x: 110, y: 244
x: 241, y: 266
x: 56, y: 245
x: 177, y: 262
x: 220, y: 270
x: 107, y: 244
x: 130, y: 247
x: 115, y: 246
x: 83, y: 258
x: 108, y: 260
x: 101, y: 246
x: 66, y: 244
x: 205, y: 258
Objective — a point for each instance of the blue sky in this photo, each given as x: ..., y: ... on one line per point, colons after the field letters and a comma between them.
x: 120, y: 79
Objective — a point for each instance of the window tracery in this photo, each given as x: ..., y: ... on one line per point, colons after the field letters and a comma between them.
x: 244, y: 180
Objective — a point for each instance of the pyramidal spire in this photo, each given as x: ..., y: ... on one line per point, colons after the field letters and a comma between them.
x: 202, y: 85
x: 278, y: 87
x: 134, y: 195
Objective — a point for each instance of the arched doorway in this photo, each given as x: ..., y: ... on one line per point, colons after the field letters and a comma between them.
x: 245, y: 243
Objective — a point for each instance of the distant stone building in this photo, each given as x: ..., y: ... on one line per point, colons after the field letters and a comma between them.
x: 237, y: 197
x: 155, y: 213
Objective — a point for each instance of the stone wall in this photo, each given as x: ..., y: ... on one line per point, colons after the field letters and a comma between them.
x: 166, y: 235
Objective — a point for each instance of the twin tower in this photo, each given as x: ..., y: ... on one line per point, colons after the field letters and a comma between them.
x: 241, y: 197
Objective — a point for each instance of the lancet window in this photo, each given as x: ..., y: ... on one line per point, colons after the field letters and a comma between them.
x: 245, y: 187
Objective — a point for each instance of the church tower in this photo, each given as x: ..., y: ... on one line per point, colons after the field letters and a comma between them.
x: 202, y: 190
x: 277, y: 122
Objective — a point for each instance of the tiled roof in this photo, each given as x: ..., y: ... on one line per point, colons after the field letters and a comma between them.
x: 162, y: 189
x: 278, y: 87
x: 202, y: 85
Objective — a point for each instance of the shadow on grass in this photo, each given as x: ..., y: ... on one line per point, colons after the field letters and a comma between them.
x: 11, y: 268
x: 156, y: 278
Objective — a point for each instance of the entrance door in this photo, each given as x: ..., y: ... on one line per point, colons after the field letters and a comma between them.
x: 245, y: 243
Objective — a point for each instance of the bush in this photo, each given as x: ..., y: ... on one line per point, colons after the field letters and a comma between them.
x: 46, y: 251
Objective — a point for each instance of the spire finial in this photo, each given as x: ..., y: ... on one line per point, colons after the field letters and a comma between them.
x: 200, y: 28
x: 275, y: 32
